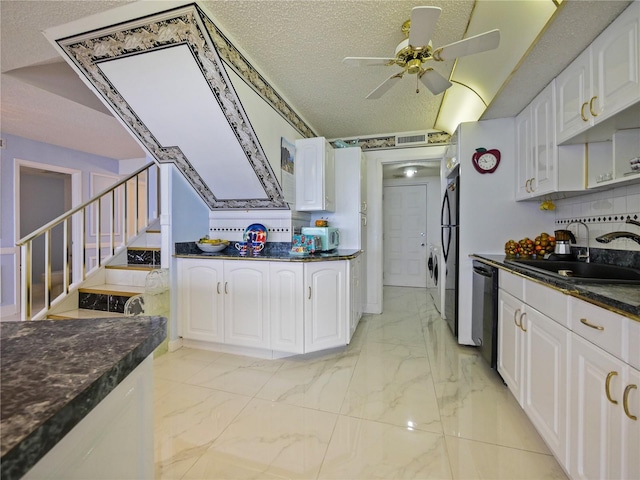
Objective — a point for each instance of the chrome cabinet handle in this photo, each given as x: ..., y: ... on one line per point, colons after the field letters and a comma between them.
x: 584, y: 119
x: 607, y: 387
x: 522, y: 317
x: 225, y: 288
x: 625, y: 401
x: 533, y: 189
x: 526, y: 185
x: 218, y: 288
x: 584, y: 321
x: 516, y: 314
x: 309, y: 293
x: 593, y: 99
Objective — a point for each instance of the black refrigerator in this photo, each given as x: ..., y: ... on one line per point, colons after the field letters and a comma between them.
x: 449, y: 233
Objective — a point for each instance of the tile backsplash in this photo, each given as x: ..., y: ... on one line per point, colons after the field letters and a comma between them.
x: 603, y: 212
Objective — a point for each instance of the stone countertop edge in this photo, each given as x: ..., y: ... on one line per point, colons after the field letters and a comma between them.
x: 54, y: 372
x: 273, y: 255
x: 619, y: 298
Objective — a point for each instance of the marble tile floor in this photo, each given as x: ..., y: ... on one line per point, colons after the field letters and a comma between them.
x: 403, y: 400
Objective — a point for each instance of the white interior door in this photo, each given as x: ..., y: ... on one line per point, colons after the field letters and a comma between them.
x: 405, y: 235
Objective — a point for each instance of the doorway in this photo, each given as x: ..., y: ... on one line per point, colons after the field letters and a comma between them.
x: 43, y: 193
x: 405, y: 235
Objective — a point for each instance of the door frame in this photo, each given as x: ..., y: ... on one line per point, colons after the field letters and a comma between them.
x: 76, y: 199
x: 375, y: 161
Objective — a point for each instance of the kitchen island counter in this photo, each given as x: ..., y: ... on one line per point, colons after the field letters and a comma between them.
x: 623, y: 299
x: 54, y: 372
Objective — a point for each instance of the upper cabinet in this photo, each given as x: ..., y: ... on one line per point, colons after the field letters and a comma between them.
x: 542, y: 167
x: 315, y: 175
x: 537, y: 168
x: 603, y: 81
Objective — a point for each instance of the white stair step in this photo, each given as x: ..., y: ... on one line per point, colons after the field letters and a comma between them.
x: 126, y: 275
x: 114, y: 289
x: 80, y: 313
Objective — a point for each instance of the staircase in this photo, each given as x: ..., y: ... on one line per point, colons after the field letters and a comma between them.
x: 106, y: 293
x: 106, y: 248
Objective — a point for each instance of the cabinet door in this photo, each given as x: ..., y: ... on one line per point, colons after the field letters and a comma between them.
x: 616, y: 69
x: 631, y: 426
x: 355, y: 295
x: 200, y: 300
x: 287, y: 306
x: 545, y: 373
x: 510, y: 354
x: 325, y: 310
x: 573, y: 92
x: 596, y: 439
x: 315, y: 175
x: 544, y: 161
x: 246, y: 303
x: 524, y: 155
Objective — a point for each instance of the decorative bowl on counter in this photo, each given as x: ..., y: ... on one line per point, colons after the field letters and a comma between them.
x: 210, y: 247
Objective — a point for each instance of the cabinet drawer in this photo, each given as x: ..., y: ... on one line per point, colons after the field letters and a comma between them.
x: 633, y: 344
x: 551, y: 302
x: 512, y: 284
x: 608, y: 330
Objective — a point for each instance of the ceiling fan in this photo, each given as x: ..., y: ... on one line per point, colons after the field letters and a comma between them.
x: 416, y: 50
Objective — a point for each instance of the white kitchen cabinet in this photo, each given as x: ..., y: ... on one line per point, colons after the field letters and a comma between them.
x: 603, y: 80
x: 246, y: 303
x: 325, y: 310
x: 545, y: 392
x: 200, y: 299
x: 356, y: 294
x: 536, y: 165
x: 533, y: 361
x: 510, y: 344
x: 114, y: 440
x: 315, y: 175
x: 604, y: 394
x: 287, y: 306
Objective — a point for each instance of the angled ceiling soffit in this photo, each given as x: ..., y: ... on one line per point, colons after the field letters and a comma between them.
x: 163, y: 77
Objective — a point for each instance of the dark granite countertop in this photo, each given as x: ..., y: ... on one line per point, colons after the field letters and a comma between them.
x: 623, y: 299
x: 274, y: 252
x: 54, y: 372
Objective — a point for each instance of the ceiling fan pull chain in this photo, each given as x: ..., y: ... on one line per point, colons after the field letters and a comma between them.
x: 417, y: 84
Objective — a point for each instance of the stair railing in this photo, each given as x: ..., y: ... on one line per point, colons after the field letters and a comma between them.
x: 65, y: 240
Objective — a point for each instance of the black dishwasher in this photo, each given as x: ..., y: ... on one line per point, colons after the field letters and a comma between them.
x: 484, y: 312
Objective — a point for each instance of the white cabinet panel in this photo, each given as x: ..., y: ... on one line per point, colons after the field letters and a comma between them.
x: 315, y: 175
x: 200, y: 300
x: 246, y: 303
x: 326, y: 309
x: 287, y: 306
x: 510, y: 345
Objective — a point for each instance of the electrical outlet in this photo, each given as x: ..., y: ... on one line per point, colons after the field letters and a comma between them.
x: 3, y: 143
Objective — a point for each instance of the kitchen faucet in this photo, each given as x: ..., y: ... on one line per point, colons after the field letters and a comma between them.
x: 587, y: 255
x: 607, y: 237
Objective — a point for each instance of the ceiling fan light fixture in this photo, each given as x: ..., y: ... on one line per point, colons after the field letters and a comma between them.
x: 410, y: 172
x: 414, y: 66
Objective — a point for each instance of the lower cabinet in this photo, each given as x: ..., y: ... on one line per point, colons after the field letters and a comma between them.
x: 294, y: 307
x: 325, y: 308
x: 200, y: 300
x: 246, y: 303
x: 356, y: 294
x: 533, y: 361
x: 574, y: 375
x: 605, y: 429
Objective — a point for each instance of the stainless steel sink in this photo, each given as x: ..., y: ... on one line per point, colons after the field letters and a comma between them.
x: 581, y: 271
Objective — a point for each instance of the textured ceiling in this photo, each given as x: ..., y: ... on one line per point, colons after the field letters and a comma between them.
x: 298, y: 46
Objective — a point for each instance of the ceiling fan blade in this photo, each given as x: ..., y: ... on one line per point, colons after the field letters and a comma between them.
x: 435, y: 82
x: 468, y: 46
x: 385, y: 86
x: 423, y: 23
x: 367, y: 61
